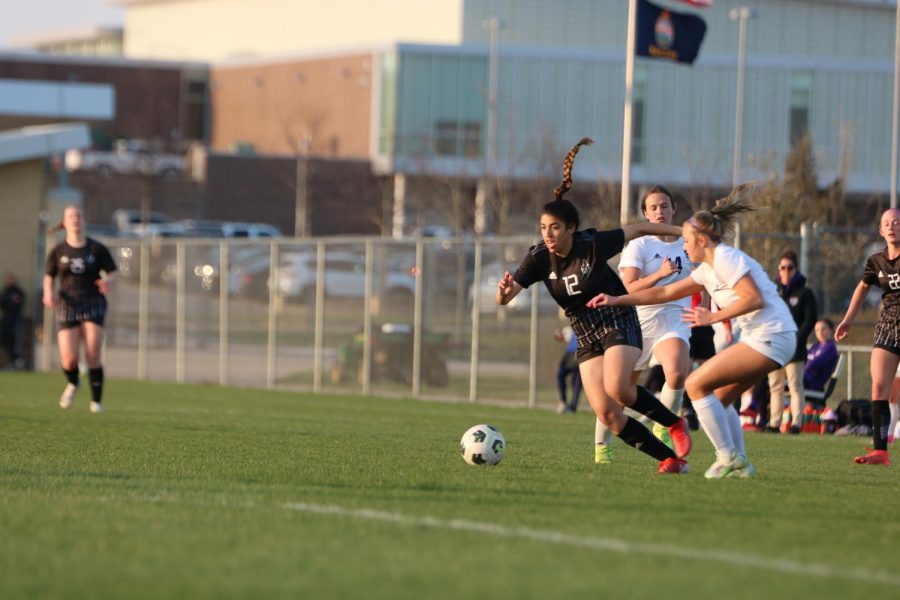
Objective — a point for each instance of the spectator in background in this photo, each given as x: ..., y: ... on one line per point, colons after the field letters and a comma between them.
x: 568, y: 369
x: 821, y: 358
x: 12, y: 300
x: 791, y: 285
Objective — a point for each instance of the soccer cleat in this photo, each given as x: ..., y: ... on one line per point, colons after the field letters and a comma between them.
x: 742, y: 468
x: 603, y: 454
x: 563, y: 407
x: 662, y: 434
x: 681, y: 438
x: 675, y: 466
x: 874, y: 457
x: 96, y: 407
x: 721, y: 468
x: 68, y: 396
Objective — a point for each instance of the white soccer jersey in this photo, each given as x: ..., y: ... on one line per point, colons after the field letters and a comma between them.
x: 729, y: 266
x: 647, y: 253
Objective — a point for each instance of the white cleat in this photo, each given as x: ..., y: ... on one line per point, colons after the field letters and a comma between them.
x: 742, y: 469
x: 96, y: 407
x: 68, y: 396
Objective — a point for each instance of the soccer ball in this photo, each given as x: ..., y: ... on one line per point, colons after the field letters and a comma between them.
x: 482, y: 445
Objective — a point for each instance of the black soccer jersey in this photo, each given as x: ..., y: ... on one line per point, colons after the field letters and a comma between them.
x: 79, y: 268
x: 885, y: 273
x: 576, y: 278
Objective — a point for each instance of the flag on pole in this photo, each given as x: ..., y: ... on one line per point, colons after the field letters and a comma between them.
x: 699, y: 3
x: 668, y: 35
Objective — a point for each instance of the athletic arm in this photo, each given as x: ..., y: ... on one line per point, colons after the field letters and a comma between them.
x: 507, y: 289
x: 104, y: 283
x: 635, y: 230
x: 48, y: 299
x: 749, y: 299
x: 631, y: 276
x: 856, y: 302
x: 654, y: 295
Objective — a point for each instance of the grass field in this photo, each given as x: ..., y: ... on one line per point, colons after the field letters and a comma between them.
x: 203, y: 492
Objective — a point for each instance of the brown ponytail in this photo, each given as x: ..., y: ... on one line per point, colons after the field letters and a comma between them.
x: 54, y: 228
x: 566, y: 184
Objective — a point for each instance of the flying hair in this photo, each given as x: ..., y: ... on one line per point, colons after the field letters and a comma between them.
x: 566, y: 184
x: 719, y: 220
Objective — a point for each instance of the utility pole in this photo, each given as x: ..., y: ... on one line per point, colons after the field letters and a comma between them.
x: 741, y: 14
x: 493, y: 27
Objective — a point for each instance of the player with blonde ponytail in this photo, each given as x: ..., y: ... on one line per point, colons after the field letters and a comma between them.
x: 572, y: 264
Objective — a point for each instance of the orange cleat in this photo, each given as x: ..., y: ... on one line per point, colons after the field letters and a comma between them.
x: 681, y: 438
x: 674, y: 466
x: 874, y: 457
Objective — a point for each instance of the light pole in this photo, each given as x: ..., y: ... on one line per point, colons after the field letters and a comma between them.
x: 896, y: 107
x: 493, y: 27
x: 741, y: 14
x: 625, y: 199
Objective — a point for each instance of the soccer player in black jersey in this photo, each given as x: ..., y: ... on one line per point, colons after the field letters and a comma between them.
x: 80, y: 308
x: 883, y: 270
x: 572, y: 264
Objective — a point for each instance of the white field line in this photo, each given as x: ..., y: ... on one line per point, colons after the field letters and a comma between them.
x: 737, y: 559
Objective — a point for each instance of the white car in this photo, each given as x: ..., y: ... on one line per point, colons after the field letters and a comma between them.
x: 345, y: 277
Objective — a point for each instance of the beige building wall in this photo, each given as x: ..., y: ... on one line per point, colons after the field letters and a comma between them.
x: 21, y: 199
x: 211, y: 30
x: 321, y: 106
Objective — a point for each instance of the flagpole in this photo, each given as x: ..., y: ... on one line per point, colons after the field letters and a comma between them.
x: 625, y: 209
x: 896, y: 107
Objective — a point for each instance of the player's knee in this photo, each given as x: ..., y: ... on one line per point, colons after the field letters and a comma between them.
x: 693, y: 387
x: 622, y: 392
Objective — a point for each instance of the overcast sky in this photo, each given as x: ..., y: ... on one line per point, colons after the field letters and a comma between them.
x: 27, y: 18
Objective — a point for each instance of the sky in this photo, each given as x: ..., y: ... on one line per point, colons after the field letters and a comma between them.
x: 27, y: 18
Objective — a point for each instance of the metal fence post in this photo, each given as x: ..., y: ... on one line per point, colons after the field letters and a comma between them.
x: 272, y: 324
x: 179, y: 313
x: 533, y: 349
x: 143, y: 308
x: 367, y: 321
x: 417, y: 321
x: 476, y: 321
x: 223, y: 313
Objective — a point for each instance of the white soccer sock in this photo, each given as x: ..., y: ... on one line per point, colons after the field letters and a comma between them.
x: 602, y: 435
x: 895, y: 412
x: 737, y: 432
x: 714, y: 421
x: 672, y: 399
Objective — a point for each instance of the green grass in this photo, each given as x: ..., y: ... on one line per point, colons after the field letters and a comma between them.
x: 207, y: 492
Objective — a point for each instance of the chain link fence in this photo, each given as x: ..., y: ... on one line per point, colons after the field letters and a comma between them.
x: 379, y: 316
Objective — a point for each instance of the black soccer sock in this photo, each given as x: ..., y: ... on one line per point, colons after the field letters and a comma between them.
x: 636, y: 435
x: 72, y: 376
x: 881, y: 421
x: 95, y: 376
x: 649, y: 405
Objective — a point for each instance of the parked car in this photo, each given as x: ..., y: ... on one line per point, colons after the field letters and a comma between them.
x: 126, y: 221
x: 229, y: 229
x: 345, y: 277
x: 126, y: 157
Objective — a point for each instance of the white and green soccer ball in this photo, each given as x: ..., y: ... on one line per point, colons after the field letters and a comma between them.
x: 482, y: 445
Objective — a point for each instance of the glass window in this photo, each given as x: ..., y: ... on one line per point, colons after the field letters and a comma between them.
x: 801, y: 94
